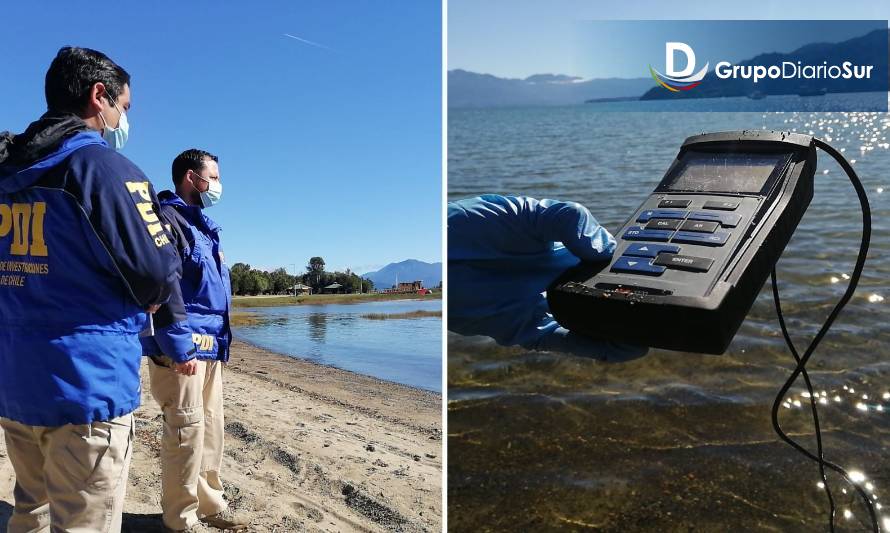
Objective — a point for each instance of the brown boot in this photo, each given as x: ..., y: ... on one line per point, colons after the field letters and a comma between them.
x: 225, y: 520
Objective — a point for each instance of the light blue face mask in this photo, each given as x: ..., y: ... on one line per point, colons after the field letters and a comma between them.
x: 116, y: 137
x: 212, y: 195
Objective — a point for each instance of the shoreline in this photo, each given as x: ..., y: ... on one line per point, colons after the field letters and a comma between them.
x: 308, y: 448
x: 275, y: 300
x: 380, y: 381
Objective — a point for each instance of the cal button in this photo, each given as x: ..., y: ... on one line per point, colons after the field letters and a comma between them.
x: 663, y: 223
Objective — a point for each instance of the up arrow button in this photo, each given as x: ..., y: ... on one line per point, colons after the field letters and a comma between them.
x: 648, y: 249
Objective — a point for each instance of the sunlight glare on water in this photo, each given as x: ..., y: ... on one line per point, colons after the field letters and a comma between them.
x: 673, y: 440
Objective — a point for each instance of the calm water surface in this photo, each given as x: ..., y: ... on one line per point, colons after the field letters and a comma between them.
x: 674, y: 441
x: 407, y: 351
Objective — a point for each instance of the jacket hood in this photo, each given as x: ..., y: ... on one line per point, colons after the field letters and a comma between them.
x: 194, y: 213
x: 26, y: 157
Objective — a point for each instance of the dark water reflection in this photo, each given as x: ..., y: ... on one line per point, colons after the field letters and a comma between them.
x: 317, y: 327
x: 674, y: 441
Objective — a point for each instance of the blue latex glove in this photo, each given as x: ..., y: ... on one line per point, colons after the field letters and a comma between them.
x: 503, y: 252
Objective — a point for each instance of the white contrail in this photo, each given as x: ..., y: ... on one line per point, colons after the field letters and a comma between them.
x: 307, y: 42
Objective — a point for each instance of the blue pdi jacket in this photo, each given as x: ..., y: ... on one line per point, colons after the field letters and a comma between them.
x: 82, y: 255
x: 206, y: 286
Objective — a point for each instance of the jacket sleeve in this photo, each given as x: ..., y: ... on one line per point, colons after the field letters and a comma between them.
x: 173, y: 336
x: 121, y: 205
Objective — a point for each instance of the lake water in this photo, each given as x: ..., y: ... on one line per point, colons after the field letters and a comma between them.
x: 407, y: 351
x: 673, y: 441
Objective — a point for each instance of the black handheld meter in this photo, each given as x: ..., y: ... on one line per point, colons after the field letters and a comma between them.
x: 692, y: 258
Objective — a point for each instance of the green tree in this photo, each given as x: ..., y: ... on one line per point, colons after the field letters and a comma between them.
x: 238, y: 274
x: 280, y: 281
x: 316, y: 272
x: 367, y: 285
x: 258, y: 282
x: 246, y: 285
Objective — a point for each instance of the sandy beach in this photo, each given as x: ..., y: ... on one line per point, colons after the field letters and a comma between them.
x: 308, y: 448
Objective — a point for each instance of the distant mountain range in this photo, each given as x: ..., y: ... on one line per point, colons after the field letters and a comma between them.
x: 872, y: 43
x: 470, y: 89
x: 408, y: 270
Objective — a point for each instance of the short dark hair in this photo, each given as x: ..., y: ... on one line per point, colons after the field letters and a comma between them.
x: 192, y: 159
x: 72, y: 75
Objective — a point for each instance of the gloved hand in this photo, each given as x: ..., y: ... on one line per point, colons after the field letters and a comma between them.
x: 503, y: 252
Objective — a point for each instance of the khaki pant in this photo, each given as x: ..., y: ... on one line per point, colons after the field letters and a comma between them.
x: 69, y: 478
x: 192, y: 445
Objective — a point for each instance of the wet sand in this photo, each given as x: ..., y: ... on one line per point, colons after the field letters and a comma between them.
x: 308, y: 448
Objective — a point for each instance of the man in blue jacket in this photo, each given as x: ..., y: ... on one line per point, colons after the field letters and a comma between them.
x: 190, y: 393
x: 83, y: 257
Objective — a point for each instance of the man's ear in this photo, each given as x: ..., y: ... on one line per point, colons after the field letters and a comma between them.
x: 94, y: 105
x: 189, y: 178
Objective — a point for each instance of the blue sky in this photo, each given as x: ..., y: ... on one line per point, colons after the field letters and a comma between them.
x: 330, y: 150
x: 515, y: 39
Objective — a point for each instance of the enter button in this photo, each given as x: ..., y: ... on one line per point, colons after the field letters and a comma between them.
x: 684, y: 262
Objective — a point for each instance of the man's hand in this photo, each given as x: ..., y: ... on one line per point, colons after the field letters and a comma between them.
x: 503, y: 252
x: 153, y: 308
x: 188, y: 368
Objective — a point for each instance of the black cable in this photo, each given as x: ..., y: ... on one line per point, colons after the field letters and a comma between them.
x: 806, y: 377
x: 820, y: 459
x: 802, y: 361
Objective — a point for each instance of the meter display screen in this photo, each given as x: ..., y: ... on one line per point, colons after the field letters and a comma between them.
x: 731, y: 172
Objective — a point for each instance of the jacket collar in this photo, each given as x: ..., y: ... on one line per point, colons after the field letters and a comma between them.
x: 192, y: 213
x: 13, y: 179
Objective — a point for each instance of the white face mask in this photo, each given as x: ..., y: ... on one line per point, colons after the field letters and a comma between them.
x: 211, y: 196
x: 116, y: 137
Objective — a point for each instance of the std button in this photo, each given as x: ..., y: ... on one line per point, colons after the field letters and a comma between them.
x: 636, y: 233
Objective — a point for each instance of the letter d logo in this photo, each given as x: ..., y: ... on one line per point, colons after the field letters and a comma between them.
x: 678, y: 80
x: 670, y: 50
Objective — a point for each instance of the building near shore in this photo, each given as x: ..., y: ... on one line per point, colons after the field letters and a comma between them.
x: 410, y: 286
x: 407, y: 287
x: 334, y: 288
x: 299, y: 289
